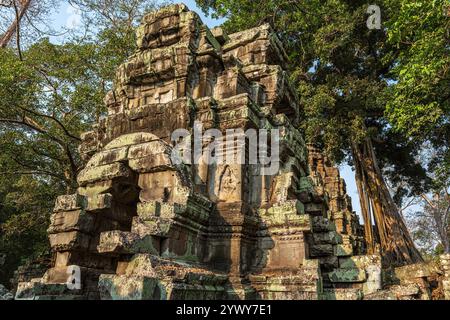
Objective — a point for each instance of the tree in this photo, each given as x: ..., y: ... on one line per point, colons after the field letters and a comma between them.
x: 25, y: 206
x: 48, y: 99
x: 50, y: 94
x: 419, y: 105
x: 342, y: 72
x: 428, y: 214
x: 24, y: 19
x: 430, y: 227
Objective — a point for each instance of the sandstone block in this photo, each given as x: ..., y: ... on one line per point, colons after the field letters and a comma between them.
x: 131, y: 139
x: 117, y: 242
x: 36, y: 290
x: 94, y: 189
x: 75, y: 220
x: 108, y: 156
x: 322, y: 224
x: 156, y: 162
x: 359, y: 261
x: 69, y: 202
x: 99, y: 202
x: 148, y: 209
x: 342, y: 294
x: 413, y: 271
x: 381, y: 295
x: 315, y: 209
x: 329, y: 263
x: 446, y: 288
x: 402, y: 291
x: 331, y: 237
x: 155, y: 226
x: 104, y: 172
x: 148, y: 149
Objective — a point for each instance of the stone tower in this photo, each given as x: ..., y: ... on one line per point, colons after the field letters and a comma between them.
x: 143, y: 226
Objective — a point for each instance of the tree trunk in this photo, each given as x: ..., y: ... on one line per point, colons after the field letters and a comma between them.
x: 397, y: 247
x: 6, y: 37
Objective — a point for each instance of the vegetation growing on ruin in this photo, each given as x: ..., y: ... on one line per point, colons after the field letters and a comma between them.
x: 376, y: 99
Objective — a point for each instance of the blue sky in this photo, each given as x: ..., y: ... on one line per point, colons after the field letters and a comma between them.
x: 67, y: 16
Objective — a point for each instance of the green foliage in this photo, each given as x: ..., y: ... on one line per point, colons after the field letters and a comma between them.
x: 49, y: 95
x: 343, y: 74
x: 48, y: 99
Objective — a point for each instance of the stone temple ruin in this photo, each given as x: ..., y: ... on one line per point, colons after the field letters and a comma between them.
x: 143, y: 227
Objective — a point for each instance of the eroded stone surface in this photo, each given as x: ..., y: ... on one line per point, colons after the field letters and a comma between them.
x: 144, y: 226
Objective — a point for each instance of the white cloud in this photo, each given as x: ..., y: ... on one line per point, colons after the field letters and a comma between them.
x: 74, y: 18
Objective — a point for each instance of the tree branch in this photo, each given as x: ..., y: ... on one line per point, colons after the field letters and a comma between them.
x: 60, y: 124
x: 425, y: 197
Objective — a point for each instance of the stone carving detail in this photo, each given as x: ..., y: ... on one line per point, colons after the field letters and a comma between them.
x: 143, y: 227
